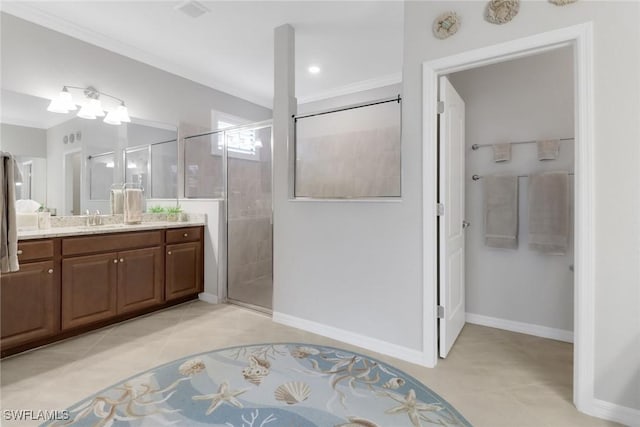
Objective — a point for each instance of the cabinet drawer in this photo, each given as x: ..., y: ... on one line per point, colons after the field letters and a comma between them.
x: 110, y: 242
x: 179, y: 235
x: 32, y: 250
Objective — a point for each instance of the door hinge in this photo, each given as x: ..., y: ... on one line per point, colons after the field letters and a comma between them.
x: 440, y: 312
x: 440, y: 209
x: 440, y: 107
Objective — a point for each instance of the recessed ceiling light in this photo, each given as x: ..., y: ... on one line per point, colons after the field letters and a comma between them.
x: 314, y: 69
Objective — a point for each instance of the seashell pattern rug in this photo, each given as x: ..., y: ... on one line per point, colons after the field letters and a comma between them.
x: 268, y: 385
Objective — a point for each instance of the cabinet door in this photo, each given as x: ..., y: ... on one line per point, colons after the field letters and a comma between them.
x: 183, y: 270
x: 88, y: 289
x: 30, y: 303
x: 140, y: 279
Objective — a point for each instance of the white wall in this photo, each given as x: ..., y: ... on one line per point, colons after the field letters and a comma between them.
x: 521, y: 100
x: 617, y: 155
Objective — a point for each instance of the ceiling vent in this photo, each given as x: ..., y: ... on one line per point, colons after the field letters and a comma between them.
x: 192, y: 8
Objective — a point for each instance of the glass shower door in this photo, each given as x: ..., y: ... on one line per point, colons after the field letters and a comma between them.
x: 249, y: 216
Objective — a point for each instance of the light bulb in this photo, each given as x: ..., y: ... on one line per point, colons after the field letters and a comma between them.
x: 123, y: 114
x: 96, y: 106
x: 86, y: 112
x: 113, y: 118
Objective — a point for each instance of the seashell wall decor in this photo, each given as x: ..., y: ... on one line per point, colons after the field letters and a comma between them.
x: 502, y: 11
x: 394, y: 383
x: 562, y: 2
x: 446, y: 25
x: 292, y: 392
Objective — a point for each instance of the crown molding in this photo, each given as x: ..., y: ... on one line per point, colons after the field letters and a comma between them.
x: 33, y: 14
x: 390, y: 79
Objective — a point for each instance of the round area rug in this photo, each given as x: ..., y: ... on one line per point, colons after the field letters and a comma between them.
x: 272, y: 385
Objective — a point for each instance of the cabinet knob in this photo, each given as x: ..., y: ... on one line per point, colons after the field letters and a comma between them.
x: 50, y: 271
x: 121, y: 259
x: 19, y: 252
x: 115, y: 261
x: 186, y: 234
x: 169, y: 253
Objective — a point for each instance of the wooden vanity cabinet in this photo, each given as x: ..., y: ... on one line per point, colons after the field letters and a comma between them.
x: 184, y: 267
x: 71, y: 285
x: 30, y: 297
x: 102, y: 286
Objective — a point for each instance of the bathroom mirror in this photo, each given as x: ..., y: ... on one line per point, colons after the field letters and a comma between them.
x: 69, y: 164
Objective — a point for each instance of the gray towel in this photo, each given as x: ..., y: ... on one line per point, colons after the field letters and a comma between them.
x: 501, y: 211
x: 548, y: 149
x: 10, y: 174
x: 133, y: 205
x: 549, y: 212
x: 501, y: 152
x: 117, y: 201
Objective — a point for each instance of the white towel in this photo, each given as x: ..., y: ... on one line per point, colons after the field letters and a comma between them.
x: 10, y: 174
x: 548, y: 149
x: 549, y: 212
x: 116, y: 196
x: 502, y: 152
x: 501, y: 211
x: 133, y: 205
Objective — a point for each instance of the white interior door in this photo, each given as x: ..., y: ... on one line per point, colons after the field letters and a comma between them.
x: 451, y: 224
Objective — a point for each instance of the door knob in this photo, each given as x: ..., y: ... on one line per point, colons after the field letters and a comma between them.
x: 50, y: 271
x: 19, y: 252
x: 169, y: 253
x: 115, y: 261
x: 466, y: 224
x: 121, y: 259
x: 186, y: 235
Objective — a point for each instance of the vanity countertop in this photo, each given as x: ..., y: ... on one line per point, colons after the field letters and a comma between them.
x: 102, y: 229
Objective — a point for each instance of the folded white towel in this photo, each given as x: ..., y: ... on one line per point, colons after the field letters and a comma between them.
x: 501, y: 211
x: 548, y: 149
x: 502, y: 152
x: 549, y: 212
x: 133, y: 205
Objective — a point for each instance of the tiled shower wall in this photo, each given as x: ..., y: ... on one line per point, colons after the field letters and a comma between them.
x: 364, y: 163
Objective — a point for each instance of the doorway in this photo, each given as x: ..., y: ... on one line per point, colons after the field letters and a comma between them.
x: 72, y: 171
x: 579, y: 39
x: 508, y: 188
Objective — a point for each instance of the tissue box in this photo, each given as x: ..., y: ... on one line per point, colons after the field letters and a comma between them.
x: 27, y: 221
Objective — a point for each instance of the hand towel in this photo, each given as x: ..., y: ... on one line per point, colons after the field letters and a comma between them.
x: 548, y: 149
x: 133, y: 205
x: 501, y: 152
x: 501, y: 211
x: 116, y: 196
x: 9, y: 173
x: 549, y: 212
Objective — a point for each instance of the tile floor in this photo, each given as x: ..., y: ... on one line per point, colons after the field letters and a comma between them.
x: 494, y: 378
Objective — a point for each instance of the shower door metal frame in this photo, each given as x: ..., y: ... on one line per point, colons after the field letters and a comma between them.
x: 223, y: 277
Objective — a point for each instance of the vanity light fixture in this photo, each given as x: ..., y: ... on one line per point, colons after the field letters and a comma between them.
x: 91, y: 107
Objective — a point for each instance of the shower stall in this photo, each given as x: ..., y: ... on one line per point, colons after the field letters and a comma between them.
x: 235, y: 165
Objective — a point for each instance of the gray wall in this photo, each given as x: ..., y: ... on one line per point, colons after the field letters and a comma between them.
x: 617, y: 154
x: 354, y: 266
x: 522, y: 100
x: 22, y: 140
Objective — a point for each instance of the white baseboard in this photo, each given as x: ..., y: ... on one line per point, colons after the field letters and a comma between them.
x: 373, y: 344
x: 207, y: 297
x: 612, y: 412
x: 523, y: 328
